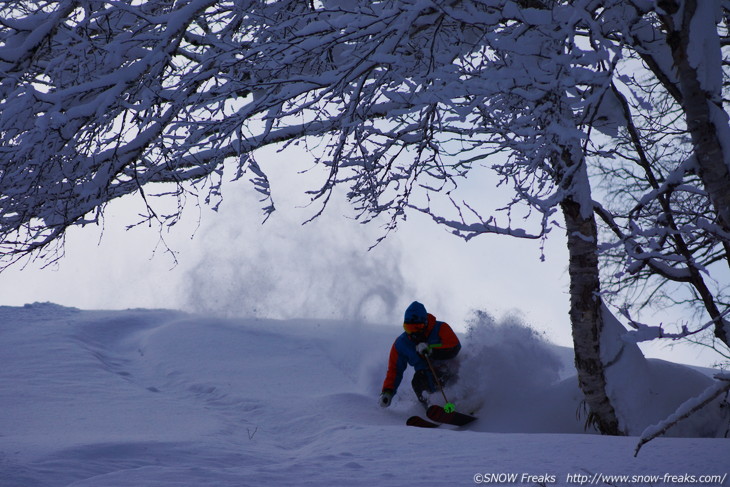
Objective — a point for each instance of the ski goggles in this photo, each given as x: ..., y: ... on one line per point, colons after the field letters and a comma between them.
x: 414, y: 327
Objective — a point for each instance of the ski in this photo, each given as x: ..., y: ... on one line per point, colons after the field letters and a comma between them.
x: 420, y: 422
x: 437, y: 413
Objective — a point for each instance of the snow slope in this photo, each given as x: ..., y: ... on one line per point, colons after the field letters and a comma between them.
x: 155, y: 397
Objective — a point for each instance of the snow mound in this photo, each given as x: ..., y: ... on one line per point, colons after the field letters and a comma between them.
x: 645, y: 392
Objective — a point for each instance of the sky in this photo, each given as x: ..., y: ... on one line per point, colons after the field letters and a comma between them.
x: 228, y: 262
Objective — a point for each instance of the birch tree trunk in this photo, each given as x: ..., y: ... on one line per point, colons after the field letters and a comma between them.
x: 585, y: 316
x: 702, y: 104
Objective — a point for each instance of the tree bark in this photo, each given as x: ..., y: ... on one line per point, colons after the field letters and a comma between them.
x: 586, y: 317
x: 586, y: 309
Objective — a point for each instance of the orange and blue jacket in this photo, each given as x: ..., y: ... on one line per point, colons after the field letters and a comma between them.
x: 439, y: 335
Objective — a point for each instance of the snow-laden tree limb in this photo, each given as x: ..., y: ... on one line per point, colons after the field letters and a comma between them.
x: 670, y: 230
x: 643, y: 332
x: 99, y: 100
x: 685, y: 410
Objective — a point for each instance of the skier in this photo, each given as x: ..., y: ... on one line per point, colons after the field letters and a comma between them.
x: 424, y: 339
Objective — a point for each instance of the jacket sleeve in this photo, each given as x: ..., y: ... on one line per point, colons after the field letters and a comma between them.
x: 396, y: 366
x: 450, y: 344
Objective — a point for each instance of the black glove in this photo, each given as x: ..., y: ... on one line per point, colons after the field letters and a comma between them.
x: 385, y: 398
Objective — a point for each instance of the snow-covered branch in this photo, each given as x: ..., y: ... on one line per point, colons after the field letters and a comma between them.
x: 643, y: 332
x: 689, y: 407
x: 100, y: 99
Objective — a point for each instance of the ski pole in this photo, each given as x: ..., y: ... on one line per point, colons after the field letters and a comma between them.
x: 449, y: 407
